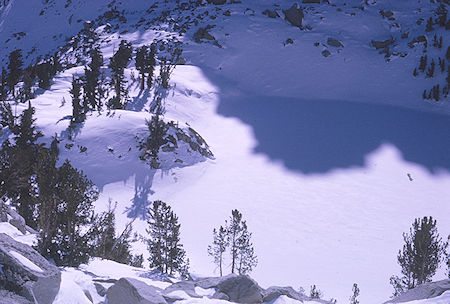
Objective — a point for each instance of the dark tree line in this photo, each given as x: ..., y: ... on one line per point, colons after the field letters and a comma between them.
x: 56, y: 200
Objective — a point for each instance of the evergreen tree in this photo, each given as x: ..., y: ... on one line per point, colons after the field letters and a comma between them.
x: 430, y: 72
x: 14, y: 69
x: 157, y: 129
x: 117, y: 64
x: 67, y: 243
x: 75, y: 92
x: 3, y: 85
x: 142, y: 62
x: 43, y: 71
x: 420, y: 256
x: 24, y: 154
x: 242, y: 254
x: 354, y: 297
x: 28, y: 82
x: 315, y: 293
x: 218, y: 247
x: 166, y: 253
x: 92, y: 81
x: 423, y: 63
x: 429, y: 26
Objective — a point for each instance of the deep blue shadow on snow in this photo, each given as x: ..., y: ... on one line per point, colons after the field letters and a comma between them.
x: 318, y: 136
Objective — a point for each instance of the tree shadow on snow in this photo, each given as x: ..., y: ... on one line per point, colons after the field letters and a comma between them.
x: 139, y: 102
x: 142, y: 190
x: 315, y: 136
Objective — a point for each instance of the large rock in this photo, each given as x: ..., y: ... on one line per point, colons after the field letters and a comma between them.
x: 382, y: 44
x: 238, y: 288
x: 132, y: 291
x: 274, y: 292
x: 203, y: 34
x: 187, y: 286
x: 334, y: 42
x: 424, y: 291
x: 294, y: 15
x: 26, y: 273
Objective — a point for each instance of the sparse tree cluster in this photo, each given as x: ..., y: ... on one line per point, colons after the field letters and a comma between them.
x: 237, y: 239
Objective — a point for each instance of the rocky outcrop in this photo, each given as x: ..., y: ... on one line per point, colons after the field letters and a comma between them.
x: 274, y: 292
x: 26, y: 273
x: 294, y: 15
x: 132, y: 291
x: 234, y: 288
x: 424, y: 291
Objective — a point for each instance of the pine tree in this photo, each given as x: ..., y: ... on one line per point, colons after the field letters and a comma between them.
x: 14, y: 69
x: 142, y: 62
x: 92, y: 81
x: 157, y: 132
x: 218, y: 247
x: 430, y: 72
x: 67, y: 244
x: 315, y: 293
x: 354, y: 297
x: 24, y: 155
x: 420, y: 256
x: 166, y: 253
x: 118, y: 63
x: 242, y: 254
x: 43, y: 73
x: 423, y: 63
x: 28, y: 82
x: 3, y: 85
x: 75, y: 92
x: 429, y: 26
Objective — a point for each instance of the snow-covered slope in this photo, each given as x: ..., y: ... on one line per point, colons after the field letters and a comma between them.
x: 329, y: 159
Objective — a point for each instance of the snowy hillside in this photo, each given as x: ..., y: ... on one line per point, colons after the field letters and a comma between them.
x: 327, y: 148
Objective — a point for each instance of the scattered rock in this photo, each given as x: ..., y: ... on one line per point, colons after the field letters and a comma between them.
x: 424, y: 291
x: 227, y: 13
x: 270, y: 13
x: 387, y: 14
x: 294, y: 15
x: 334, y: 42
x: 326, y: 53
x: 26, y: 273
x: 288, y: 41
x: 311, y: 1
x: 132, y: 291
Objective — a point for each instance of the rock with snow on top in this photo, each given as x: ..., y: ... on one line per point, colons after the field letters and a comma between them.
x: 133, y: 291
x: 424, y: 291
x: 26, y: 272
x: 238, y: 288
x: 334, y: 42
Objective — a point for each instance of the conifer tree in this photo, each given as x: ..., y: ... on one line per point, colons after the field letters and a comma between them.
x: 117, y: 64
x: 28, y: 82
x: 22, y: 190
x: 354, y: 297
x: 75, y: 92
x: 67, y: 244
x: 242, y: 254
x: 218, y: 247
x: 315, y: 293
x: 420, y: 256
x: 43, y: 71
x: 142, y: 63
x: 14, y: 69
x: 166, y: 252
x: 157, y: 131
x: 3, y: 85
x: 92, y: 81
